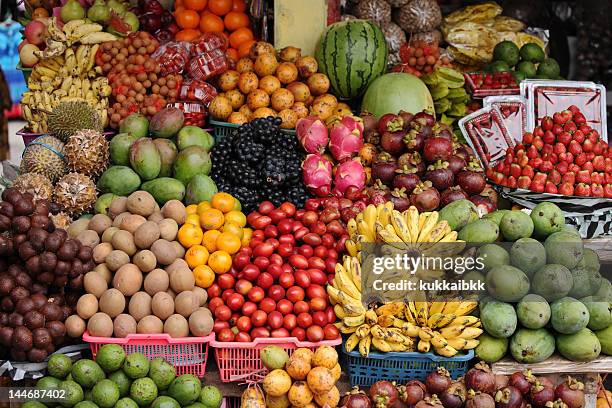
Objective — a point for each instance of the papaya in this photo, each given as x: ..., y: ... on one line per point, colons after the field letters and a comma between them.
x: 189, y: 162
x: 145, y: 158
x: 119, y: 148
x: 119, y: 180
x: 165, y: 189
x: 200, y: 188
x: 167, y: 152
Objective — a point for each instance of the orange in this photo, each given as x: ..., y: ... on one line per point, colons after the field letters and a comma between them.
x: 204, y: 205
x: 209, y: 240
x: 187, y: 18
x: 179, y: 3
x: 232, y: 228
x: 232, y: 54
x: 236, y: 217
x: 223, y: 202
x: 196, y: 255
x: 245, y: 48
x: 197, y: 5
x: 239, y: 5
x: 187, y: 35
x: 247, y: 233
x: 211, y: 219
x: 204, y: 276
x: 220, y: 261
x: 235, y: 20
x: 193, y: 219
x: 190, y: 235
x: 228, y: 242
x: 240, y: 36
x: 220, y: 7
x: 210, y: 23
x: 191, y: 209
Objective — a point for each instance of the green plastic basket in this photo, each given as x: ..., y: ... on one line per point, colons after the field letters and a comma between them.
x: 25, y: 71
x: 224, y: 129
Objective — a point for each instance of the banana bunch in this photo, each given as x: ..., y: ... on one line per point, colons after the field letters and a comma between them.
x: 84, y: 32
x: 446, y: 88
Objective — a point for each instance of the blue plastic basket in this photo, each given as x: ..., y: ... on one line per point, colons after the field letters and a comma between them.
x: 224, y: 129
x: 401, y: 367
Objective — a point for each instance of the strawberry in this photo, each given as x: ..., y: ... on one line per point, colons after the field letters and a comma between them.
x: 561, y: 167
x: 580, y: 159
x: 547, y: 149
x: 532, y: 152
x: 574, y: 109
x: 523, y: 182
x: 497, y: 178
x: 590, y: 156
x: 608, y: 190
x: 537, y: 162
x: 608, y: 165
x: 519, y: 148
x: 597, y: 178
x: 574, y: 167
x: 579, y: 118
x: 578, y: 136
x: 582, y: 190
x: 555, y: 177
x: 515, y: 170
x: 557, y: 129
x: 511, y: 182
x: 566, y: 115
x: 608, y: 178
x: 538, y: 142
x: 570, y: 127
x: 569, y: 178
x: 559, y: 148
x: 597, y: 190
x: 489, y: 172
x: 566, y: 189
x: 500, y: 166
x: 583, y: 176
x: 587, y: 145
x: 558, y: 118
x: 549, y: 137
x: 537, y: 187
x: 546, y: 166
x: 566, y: 157
x: 550, y: 188
x: 540, y: 177
x: 538, y: 131
x: 564, y: 138
x: 527, y: 171
x: 522, y: 161
x: 588, y: 166
x: 547, y: 123
x: 574, y: 148
x: 600, y: 147
x: 593, y: 136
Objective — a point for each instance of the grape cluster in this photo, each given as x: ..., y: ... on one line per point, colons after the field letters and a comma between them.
x: 258, y: 162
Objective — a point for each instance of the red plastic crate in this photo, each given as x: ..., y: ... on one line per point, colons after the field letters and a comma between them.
x: 188, y: 355
x: 242, y: 362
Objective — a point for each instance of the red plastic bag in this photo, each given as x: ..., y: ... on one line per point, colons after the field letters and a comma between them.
x: 197, y: 91
x: 208, y: 64
x: 173, y: 57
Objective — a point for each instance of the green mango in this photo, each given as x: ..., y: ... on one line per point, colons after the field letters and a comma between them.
x: 194, y: 136
x: 167, y: 152
x: 145, y: 158
x: 120, y: 148
x: 200, y: 188
x: 119, y: 180
x: 191, y: 161
x: 164, y: 189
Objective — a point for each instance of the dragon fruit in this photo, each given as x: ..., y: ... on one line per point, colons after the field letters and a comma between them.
x: 346, y: 138
x: 317, y: 174
x: 312, y: 134
x: 349, y: 173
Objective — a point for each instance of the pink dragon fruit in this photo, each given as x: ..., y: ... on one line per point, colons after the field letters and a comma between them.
x: 312, y: 134
x: 317, y: 174
x: 346, y: 138
x: 349, y: 173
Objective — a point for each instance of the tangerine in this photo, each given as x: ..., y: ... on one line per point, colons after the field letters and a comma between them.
x: 196, y: 255
x: 210, y: 23
x: 220, y: 261
x: 197, y: 5
x: 247, y: 234
x: 223, y: 202
x: 204, y: 276
x: 228, y: 242
x: 240, y: 36
x: 245, y: 48
x: 187, y: 19
x: 239, y: 5
x: 190, y: 235
x: 209, y: 240
x: 220, y: 7
x: 236, y: 217
x: 232, y: 228
x: 211, y: 219
x: 191, y: 209
x: 235, y: 20
x: 193, y: 219
x: 204, y: 205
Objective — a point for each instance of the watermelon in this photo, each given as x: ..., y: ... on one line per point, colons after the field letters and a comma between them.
x: 352, y: 54
x: 393, y: 92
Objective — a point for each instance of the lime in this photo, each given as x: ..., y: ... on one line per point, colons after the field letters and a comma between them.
x: 506, y: 51
x: 532, y: 52
x: 549, y: 68
x: 527, y: 68
x: 499, y: 66
x: 519, y: 76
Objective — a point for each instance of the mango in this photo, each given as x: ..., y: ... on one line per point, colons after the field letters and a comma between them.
x: 164, y: 189
x: 547, y: 218
x: 580, y: 346
x: 563, y: 248
x: 533, y: 311
x: 515, y: 225
x: 194, y: 136
x: 479, y: 231
x: 496, y: 216
x: 491, y: 349
x: 528, y: 255
x: 145, y: 158
x: 200, y: 188
x: 459, y: 213
x: 568, y: 315
x: 166, y: 123
x: 120, y: 148
x: 605, y: 339
x: 167, y: 152
x: 498, y: 319
x: 600, y: 312
x: 119, y: 180
x: 135, y: 124
x: 492, y: 255
x: 189, y: 162
x: 507, y: 283
x: 552, y: 282
x: 532, y: 346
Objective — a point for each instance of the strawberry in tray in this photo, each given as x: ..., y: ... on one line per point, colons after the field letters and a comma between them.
x: 563, y: 155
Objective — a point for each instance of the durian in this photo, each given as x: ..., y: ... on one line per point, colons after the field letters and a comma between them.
x: 69, y: 117
x: 45, y: 155
x: 36, y: 184
x: 87, y: 152
x: 75, y: 193
x: 61, y: 220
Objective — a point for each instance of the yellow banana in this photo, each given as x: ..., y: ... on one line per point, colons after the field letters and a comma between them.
x: 333, y: 293
x: 394, y: 335
x: 346, y: 330
x: 450, y: 307
x: 97, y: 38
x: 422, y: 312
x: 430, y: 223
x: 466, y: 307
x: 438, y: 341
x: 354, y: 321
x: 471, y: 344
x: 339, y: 311
x: 457, y: 343
x: 407, y: 328
x: 355, y: 272
x: 399, y: 346
x: 391, y: 309
x: 470, y: 332
x: 371, y: 317
x: 83, y: 30
x: 351, y: 227
x: 466, y: 320
x: 400, y: 226
x: 384, y: 216
x: 345, y: 282
x: 447, y: 351
x: 370, y: 216
x: 363, y: 331
x: 436, y: 307
x: 451, y: 331
x: 385, y: 321
x: 72, y: 25
x: 447, y: 320
x: 412, y: 220
x: 365, y: 230
x: 92, y: 57
x: 351, y: 342
x: 378, y: 332
x: 411, y: 312
x: 364, y: 346
x: 423, y: 346
x: 434, y: 320
x: 351, y: 248
x: 425, y: 333
x: 440, y: 230
x: 381, y: 345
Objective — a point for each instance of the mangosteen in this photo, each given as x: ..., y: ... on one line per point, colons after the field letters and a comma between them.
x: 15, y: 269
x: 440, y: 175
x: 23, y: 279
x: 6, y: 284
x: 21, y: 224
x: 437, y: 148
x: 390, y: 122
x: 85, y: 253
x: 425, y: 117
x: 12, y: 195
x: 6, y: 336
x: 19, y: 239
x: 51, y: 311
x: 48, y: 261
x: 26, y: 250
x: 56, y: 329
x: 24, y: 305
x: 39, y: 300
x: 37, y: 355
x: 452, y: 194
x: 425, y: 197
x: 57, y: 299
x: 384, y: 168
x: 399, y: 198
x: 414, y: 140
x: 15, y: 319
x: 18, y: 355
x: 7, y: 304
x: 456, y: 163
x: 406, y: 178
x: 68, y: 250
x: 393, y: 142
x: 471, y: 179
x: 46, y: 278
x: 483, y: 204
x: 19, y: 293
x: 89, y: 266
x: 443, y: 130
x: 76, y: 269
x: 406, y: 117
x: 62, y: 268
x: 22, y: 339
x: 33, y: 265
x: 42, y: 338
x: 6, y: 209
x: 412, y: 160
x: 34, y: 320
x: 5, y: 223
x: 23, y: 207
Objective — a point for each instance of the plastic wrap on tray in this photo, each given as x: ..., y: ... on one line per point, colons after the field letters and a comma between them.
x: 197, y: 91
x: 173, y: 57
x: 208, y: 64
x: 513, y: 112
x: 485, y: 132
x: 194, y: 112
x: 481, y: 84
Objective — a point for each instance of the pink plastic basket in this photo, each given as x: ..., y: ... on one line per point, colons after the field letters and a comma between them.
x: 187, y: 354
x: 241, y: 361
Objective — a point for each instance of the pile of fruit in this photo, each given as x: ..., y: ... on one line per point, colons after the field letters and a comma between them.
x: 262, y: 86
x: 258, y: 162
x: 306, y: 378
x: 161, y: 156
x: 480, y: 387
x: 41, y: 275
x: 556, y: 271
x: 212, y: 234
x: 156, y: 20
x: 420, y: 162
x: 527, y: 62
x: 276, y: 287
x: 63, y: 71
x: 115, y: 379
x: 446, y: 86
x: 563, y: 155
x: 129, y: 291
x: 420, y: 58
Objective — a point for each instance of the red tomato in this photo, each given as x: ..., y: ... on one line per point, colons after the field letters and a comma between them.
x: 258, y: 234
x: 299, y: 333
x: 298, y: 261
x: 284, y: 306
x: 319, y: 228
x: 285, y: 250
x: 280, y: 333
x: 306, y: 250
x: 225, y: 335
x: 285, y: 226
x: 275, y: 320
x: 249, y: 308
x: 260, y: 332
x: 226, y: 294
x: 331, y: 332
x: 318, y: 304
x: 235, y: 301
x: 267, y: 305
x: 261, y: 222
x: 321, y: 251
x: 243, y: 286
x: 286, y: 280
x: 302, y: 278
x: 251, y: 272
x: 223, y: 313
x: 264, y: 249
x: 304, y: 320
x: 319, y: 318
x: 214, y: 303
x: 277, y: 215
x: 275, y: 270
x: 214, y: 291
x: 220, y: 325
x: 265, y: 280
x: 262, y: 262
x: 328, y: 240
x: 256, y: 294
x: 265, y: 207
x: 286, y: 239
x: 288, y: 208
x: 316, y: 291
x: 242, y: 337
x: 271, y: 231
x: 241, y: 259
x: 244, y: 324
x: 300, y: 307
x: 276, y: 292
x: 295, y: 294
x: 316, y: 263
x: 300, y: 232
x: 226, y: 281
x: 315, y: 334
x: 259, y: 318
x: 317, y: 277
x: 276, y: 259
x: 290, y: 322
